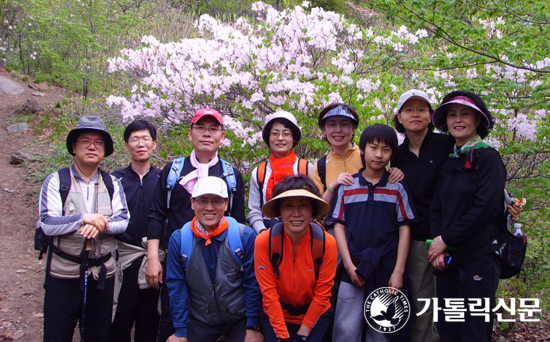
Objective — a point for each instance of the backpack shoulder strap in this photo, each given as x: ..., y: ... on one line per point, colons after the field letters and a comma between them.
x: 186, y: 247
x: 317, y: 246
x: 235, y: 233
x: 230, y: 179
x: 276, y: 240
x: 260, y: 176
x: 322, y: 170
x: 108, y: 183
x: 302, y: 167
x: 64, y: 185
x: 173, y: 176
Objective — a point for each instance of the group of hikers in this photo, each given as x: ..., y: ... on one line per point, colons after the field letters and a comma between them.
x: 169, y: 253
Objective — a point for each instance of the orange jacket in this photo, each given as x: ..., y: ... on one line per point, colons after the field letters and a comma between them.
x: 297, y: 285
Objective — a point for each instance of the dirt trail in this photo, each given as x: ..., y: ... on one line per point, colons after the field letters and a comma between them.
x: 21, y: 273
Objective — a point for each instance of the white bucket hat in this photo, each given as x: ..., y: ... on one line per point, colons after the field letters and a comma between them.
x: 296, y: 131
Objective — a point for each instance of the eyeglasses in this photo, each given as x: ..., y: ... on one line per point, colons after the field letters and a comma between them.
x: 87, y: 143
x: 285, y: 134
x: 202, y: 129
x: 216, y: 202
x: 135, y: 140
x: 419, y: 110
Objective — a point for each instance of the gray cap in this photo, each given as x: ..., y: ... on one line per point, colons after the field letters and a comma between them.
x: 410, y: 95
x: 90, y: 123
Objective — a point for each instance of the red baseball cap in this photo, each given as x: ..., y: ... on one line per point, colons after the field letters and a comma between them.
x: 207, y: 112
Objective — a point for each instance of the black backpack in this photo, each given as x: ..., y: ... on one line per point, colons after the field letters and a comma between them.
x: 43, y: 241
x: 509, y: 248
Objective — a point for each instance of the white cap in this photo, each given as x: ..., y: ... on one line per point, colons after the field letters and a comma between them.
x: 296, y: 131
x: 210, y: 186
x: 410, y: 95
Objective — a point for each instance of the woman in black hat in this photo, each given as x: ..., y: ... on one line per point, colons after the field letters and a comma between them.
x: 468, y: 198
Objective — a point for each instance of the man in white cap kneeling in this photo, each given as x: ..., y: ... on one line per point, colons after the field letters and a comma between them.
x: 210, y: 272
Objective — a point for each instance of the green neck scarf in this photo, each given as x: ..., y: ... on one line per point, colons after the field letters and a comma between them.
x: 463, y: 150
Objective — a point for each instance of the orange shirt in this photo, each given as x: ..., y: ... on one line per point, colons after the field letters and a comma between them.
x: 297, y: 285
x: 336, y: 165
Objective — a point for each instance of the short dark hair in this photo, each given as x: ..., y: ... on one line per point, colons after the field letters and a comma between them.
x: 295, y: 130
x: 381, y: 133
x: 399, y: 127
x: 331, y: 106
x: 139, y: 125
x: 481, y: 129
x: 295, y: 182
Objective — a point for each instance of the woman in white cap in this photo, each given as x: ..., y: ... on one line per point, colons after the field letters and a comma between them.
x: 295, y: 263
x: 281, y: 134
x: 468, y: 197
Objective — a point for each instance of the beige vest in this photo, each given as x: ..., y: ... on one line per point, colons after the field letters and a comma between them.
x: 72, y: 243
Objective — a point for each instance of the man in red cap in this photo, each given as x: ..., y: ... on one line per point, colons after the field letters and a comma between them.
x: 172, y: 202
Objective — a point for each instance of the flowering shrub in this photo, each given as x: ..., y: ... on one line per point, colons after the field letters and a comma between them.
x: 298, y: 60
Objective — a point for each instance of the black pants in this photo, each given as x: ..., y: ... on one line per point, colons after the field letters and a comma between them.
x: 136, y: 305
x: 63, y: 309
x: 200, y: 332
x: 166, y: 327
x: 478, y: 279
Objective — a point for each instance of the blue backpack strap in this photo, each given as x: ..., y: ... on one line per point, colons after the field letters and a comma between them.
x: 173, y: 176
x: 186, y: 247
x: 235, y: 232
x: 230, y: 179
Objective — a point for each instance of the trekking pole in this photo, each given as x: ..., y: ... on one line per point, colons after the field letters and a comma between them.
x: 82, y: 323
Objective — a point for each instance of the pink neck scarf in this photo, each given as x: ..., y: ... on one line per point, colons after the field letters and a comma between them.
x: 201, y: 170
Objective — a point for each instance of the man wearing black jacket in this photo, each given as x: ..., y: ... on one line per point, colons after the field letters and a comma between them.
x: 206, y: 135
x: 137, y: 301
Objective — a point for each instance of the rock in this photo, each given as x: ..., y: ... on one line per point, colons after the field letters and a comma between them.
x: 19, y: 158
x: 32, y: 105
x: 18, y: 127
x: 33, y: 86
x: 8, y: 86
x: 38, y: 94
x: 8, y: 190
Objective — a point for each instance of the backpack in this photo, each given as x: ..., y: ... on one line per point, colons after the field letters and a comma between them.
x: 510, y: 249
x: 260, y: 176
x: 276, y: 246
x: 322, y: 171
x: 175, y: 175
x: 234, y: 237
x: 43, y: 241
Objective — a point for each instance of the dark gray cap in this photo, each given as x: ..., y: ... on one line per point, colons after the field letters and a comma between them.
x: 90, y: 123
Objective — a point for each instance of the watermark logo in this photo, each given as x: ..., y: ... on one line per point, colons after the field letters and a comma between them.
x: 387, y: 309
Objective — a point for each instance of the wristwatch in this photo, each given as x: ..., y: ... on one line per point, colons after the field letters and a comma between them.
x: 253, y: 327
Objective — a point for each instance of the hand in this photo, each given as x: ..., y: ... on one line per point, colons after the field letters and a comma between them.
x: 97, y: 220
x: 88, y: 231
x: 396, y: 281
x: 514, y: 210
x: 254, y: 336
x: 439, y: 262
x: 436, y: 248
x: 356, y: 279
x: 342, y: 179
x: 396, y: 175
x: 174, y: 338
x: 153, y: 273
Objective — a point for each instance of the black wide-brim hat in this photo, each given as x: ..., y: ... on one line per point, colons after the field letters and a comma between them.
x: 90, y: 123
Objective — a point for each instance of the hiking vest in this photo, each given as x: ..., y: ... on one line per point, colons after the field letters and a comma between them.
x: 222, y: 302
x: 72, y: 243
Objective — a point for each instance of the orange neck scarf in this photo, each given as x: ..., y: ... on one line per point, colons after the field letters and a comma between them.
x: 280, y: 168
x: 199, y: 231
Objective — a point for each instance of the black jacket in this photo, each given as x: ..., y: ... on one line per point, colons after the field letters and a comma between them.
x: 467, y: 202
x: 139, y: 195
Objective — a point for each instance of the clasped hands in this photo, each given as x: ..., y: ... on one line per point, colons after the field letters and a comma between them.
x: 93, y: 225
